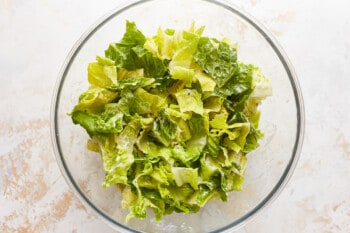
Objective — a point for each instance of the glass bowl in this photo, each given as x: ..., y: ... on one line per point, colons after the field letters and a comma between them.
x: 282, y: 115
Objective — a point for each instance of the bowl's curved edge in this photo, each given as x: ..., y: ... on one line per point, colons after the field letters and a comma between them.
x: 275, y: 192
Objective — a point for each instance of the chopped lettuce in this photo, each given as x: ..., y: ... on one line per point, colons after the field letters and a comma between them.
x: 130, y: 54
x: 189, y: 100
x: 173, y: 117
x: 164, y: 129
x: 216, y: 58
x: 261, y: 84
x: 102, y: 75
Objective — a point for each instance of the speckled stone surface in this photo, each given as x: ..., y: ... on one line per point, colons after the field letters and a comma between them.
x: 36, y: 36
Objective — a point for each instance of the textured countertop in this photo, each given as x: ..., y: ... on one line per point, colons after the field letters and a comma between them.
x: 36, y: 36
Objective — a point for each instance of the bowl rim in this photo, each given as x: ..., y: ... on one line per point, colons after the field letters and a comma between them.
x: 288, y: 171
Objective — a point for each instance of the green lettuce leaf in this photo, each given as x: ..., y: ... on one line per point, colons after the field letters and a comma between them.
x: 102, y: 75
x: 261, y: 84
x: 109, y: 121
x: 182, y: 73
x: 123, y: 151
x: 164, y: 129
x: 206, y: 82
x: 131, y: 83
x: 217, y: 59
x: 238, y: 88
x: 132, y: 35
x: 140, y: 102
x: 189, y: 100
x: 140, y: 205
x: 161, y: 45
x: 185, y: 175
x: 94, y: 99
x: 130, y: 54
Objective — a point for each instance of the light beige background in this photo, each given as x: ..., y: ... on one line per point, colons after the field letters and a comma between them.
x: 36, y: 36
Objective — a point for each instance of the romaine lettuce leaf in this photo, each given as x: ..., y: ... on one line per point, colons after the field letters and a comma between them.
x: 130, y: 54
x: 132, y: 35
x: 189, y: 100
x: 131, y: 83
x: 161, y: 45
x: 139, y: 206
x: 238, y: 88
x: 102, y: 75
x: 94, y: 99
x: 261, y: 84
x: 217, y: 59
x: 186, y: 175
x: 206, y: 82
x: 126, y: 74
x: 140, y: 102
x: 109, y: 121
x: 184, y: 74
x: 164, y: 129
x: 122, y: 154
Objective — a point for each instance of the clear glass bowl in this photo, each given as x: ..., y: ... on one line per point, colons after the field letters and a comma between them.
x: 282, y: 115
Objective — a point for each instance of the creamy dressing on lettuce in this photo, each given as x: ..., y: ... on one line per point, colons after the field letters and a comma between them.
x: 173, y: 117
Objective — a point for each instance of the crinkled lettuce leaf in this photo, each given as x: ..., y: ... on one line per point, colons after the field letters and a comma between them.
x: 189, y: 100
x: 131, y: 83
x: 102, y: 75
x: 130, y: 54
x: 94, y: 99
x: 217, y: 58
x: 109, y: 121
x: 164, y: 129
x: 261, y: 84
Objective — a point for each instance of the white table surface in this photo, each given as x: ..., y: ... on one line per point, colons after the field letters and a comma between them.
x: 36, y: 36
